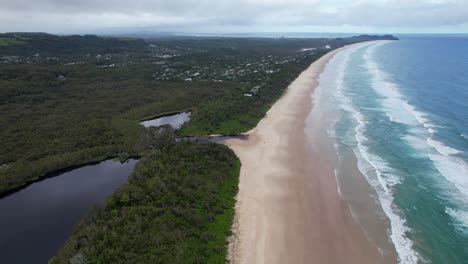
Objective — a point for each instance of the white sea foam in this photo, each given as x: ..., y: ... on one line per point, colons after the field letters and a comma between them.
x: 442, y: 148
x: 461, y: 219
x: 418, y: 143
x: 399, y: 110
x: 453, y: 169
x: 420, y: 116
x: 338, y: 183
x: 381, y: 177
x: 394, y: 103
x: 377, y: 172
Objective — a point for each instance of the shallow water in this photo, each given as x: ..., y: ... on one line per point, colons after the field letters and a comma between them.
x: 176, y: 121
x: 401, y: 108
x: 36, y: 221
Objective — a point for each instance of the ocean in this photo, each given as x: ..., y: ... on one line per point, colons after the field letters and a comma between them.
x: 401, y: 109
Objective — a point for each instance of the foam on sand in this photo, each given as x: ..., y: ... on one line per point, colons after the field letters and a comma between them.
x: 377, y: 172
x: 289, y: 209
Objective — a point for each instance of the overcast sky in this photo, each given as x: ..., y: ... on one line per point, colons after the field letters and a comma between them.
x: 234, y: 16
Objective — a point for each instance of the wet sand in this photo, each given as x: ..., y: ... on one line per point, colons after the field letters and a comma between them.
x: 288, y: 208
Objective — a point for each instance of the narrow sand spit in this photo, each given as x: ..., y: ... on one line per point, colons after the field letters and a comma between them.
x: 288, y: 208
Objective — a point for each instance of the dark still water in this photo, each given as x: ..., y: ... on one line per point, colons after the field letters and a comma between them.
x: 36, y: 221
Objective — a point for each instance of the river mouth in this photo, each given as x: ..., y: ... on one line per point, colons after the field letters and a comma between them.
x: 175, y: 121
x: 39, y: 218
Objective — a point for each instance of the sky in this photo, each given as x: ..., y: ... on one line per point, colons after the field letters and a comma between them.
x: 235, y: 16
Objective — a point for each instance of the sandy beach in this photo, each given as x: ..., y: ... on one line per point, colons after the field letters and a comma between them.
x: 288, y: 208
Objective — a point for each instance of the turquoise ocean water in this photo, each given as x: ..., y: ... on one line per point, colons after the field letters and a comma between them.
x: 402, y: 108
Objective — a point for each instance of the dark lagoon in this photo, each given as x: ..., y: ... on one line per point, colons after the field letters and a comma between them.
x: 36, y: 221
x: 175, y: 121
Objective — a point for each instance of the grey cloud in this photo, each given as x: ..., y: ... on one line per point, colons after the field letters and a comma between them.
x: 180, y: 7
x: 406, y: 13
x: 63, y: 15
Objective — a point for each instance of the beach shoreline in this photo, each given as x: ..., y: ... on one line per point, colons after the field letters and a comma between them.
x: 288, y: 208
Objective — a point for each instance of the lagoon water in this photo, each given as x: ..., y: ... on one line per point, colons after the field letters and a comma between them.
x: 176, y: 121
x: 36, y: 221
x: 402, y: 108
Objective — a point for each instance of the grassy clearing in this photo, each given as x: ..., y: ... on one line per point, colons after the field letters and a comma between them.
x: 10, y: 41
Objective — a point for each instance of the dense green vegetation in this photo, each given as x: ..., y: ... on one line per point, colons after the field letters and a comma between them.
x: 70, y: 100
x: 56, y: 124
x: 233, y: 114
x: 176, y: 208
x: 68, y: 46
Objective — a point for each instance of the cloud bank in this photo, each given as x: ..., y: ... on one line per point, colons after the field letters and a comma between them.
x: 69, y: 16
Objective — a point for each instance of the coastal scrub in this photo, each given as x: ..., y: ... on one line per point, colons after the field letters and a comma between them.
x: 176, y: 208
